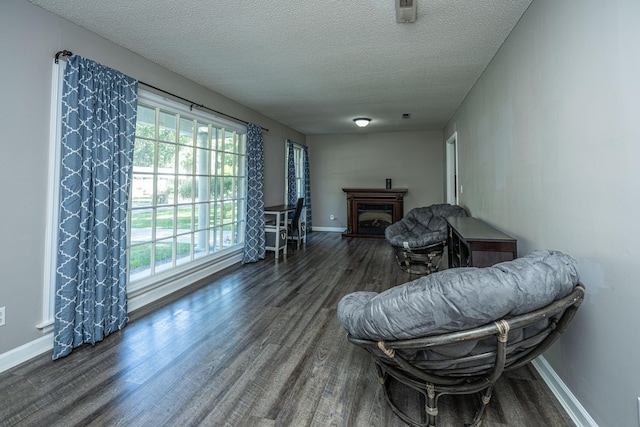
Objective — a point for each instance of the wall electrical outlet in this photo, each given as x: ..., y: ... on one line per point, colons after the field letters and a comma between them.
x: 3, y: 316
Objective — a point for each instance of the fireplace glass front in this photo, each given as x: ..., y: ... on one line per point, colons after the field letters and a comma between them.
x: 374, y: 218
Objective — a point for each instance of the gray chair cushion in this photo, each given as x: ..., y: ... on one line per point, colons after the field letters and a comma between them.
x: 422, y: 226
x: 459, y: 298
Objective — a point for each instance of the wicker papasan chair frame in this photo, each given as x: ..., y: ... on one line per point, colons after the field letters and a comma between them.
x: 469, y: 374
x: 419, y: 238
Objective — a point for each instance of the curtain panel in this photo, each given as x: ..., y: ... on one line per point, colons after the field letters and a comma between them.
x: 292, y: 187
x: 306, y: 179
x: 99, y: 107
x: 254, y: 240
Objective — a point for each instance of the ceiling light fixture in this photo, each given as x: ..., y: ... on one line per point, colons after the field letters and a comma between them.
x: 362, y: 121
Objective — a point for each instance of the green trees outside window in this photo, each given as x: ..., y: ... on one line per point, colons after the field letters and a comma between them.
x: 188, y: 188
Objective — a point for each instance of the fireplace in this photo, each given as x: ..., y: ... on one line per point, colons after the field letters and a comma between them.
x: 371, y: 211
x: 373, y: 218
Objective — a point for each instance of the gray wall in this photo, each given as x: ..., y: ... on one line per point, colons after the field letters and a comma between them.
x: 29, y: 37
x: 413, y: 160
x: 549, y: 151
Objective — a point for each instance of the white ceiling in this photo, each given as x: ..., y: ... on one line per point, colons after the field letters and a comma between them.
x: 314, y: 66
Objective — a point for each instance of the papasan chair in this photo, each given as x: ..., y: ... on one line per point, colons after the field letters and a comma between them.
x: 456, y: 331
x: 419, y: 238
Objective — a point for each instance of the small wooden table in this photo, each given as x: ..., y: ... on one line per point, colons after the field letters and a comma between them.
x: 474, y: 243
x: 275, y: 228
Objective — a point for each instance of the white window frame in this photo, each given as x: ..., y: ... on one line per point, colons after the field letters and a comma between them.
x: 138, y: 286
x: 298, y: 158
x: 53, y: 197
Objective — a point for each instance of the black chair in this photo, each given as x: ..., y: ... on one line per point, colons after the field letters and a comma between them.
x: 296, y: 230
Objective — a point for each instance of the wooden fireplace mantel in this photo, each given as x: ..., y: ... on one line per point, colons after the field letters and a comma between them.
x: 372, y: 196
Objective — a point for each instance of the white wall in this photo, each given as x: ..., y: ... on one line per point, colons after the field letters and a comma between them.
x: 29, y: 38
x: 549, y: 152
x: 412, y: 160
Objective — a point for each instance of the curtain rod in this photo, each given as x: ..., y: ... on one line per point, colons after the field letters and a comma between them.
x: 67, y: 53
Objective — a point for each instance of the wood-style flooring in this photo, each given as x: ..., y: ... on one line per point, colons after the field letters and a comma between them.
x: 255, y: 345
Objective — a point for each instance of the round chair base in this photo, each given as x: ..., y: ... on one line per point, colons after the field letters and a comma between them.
x: 420, y: 261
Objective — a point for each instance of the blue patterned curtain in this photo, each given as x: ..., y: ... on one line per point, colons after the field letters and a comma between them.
x: 98, y: 127
x: 292, y: 188
x: 306, y: 178
x: 254, y: 243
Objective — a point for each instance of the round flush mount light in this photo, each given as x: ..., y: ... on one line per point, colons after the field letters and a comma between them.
x: 362, y: 121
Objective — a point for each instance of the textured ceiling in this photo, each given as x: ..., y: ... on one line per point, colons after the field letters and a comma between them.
x: 314, y: 66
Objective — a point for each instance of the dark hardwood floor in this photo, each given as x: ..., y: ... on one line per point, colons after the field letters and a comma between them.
x: 255, y: 345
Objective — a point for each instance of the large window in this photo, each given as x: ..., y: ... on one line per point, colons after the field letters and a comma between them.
x: 298, y: 164
x: 188, y: 188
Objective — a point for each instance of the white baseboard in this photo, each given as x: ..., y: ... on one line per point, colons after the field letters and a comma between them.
x: 332, y: 229
x: 136, y: 300
x: 25, y: 352
x: 576, y: 411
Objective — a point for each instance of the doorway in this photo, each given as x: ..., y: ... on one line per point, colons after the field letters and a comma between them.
x: 452, y: 168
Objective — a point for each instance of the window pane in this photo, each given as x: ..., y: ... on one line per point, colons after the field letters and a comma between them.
x: 202, y: 192
x: 164, y: 255
x: 146, y: 122
x: 242, y: 146
x: 228, y: 188
x: 183, y: 254
x: 214, y: 161
x: 227, y: 236
x: 242, y: 166
x: 165, y: 189
x: 185, y: 189
x: 164, y: 222
x: 185, y: 159
x: 141, y: 190
x: 216, y: 139
x: 241, y: 189
x: 228, y: 212
x: 140, y: 261
x: 141, y: 222
x: 214, y: 189
x: 201, y: 212
x: 201, y: 244
x: 202, y: 161
x: 215, y: 214
x: 229, y: 141
x: 228, y: 164
x: 203, y: 135
x: 167, y: 128
x: 186, y: 132
x: 219, y: 170
x: 217, y: 236
x: 143, y: 154
x: 166, y: 157
x: 185, y: 214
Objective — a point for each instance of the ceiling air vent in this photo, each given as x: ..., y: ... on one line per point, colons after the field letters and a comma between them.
x: 406, y: 11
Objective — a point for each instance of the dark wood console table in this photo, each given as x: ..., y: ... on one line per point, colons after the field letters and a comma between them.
x: 474, y: 243
x: 388, y: 203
